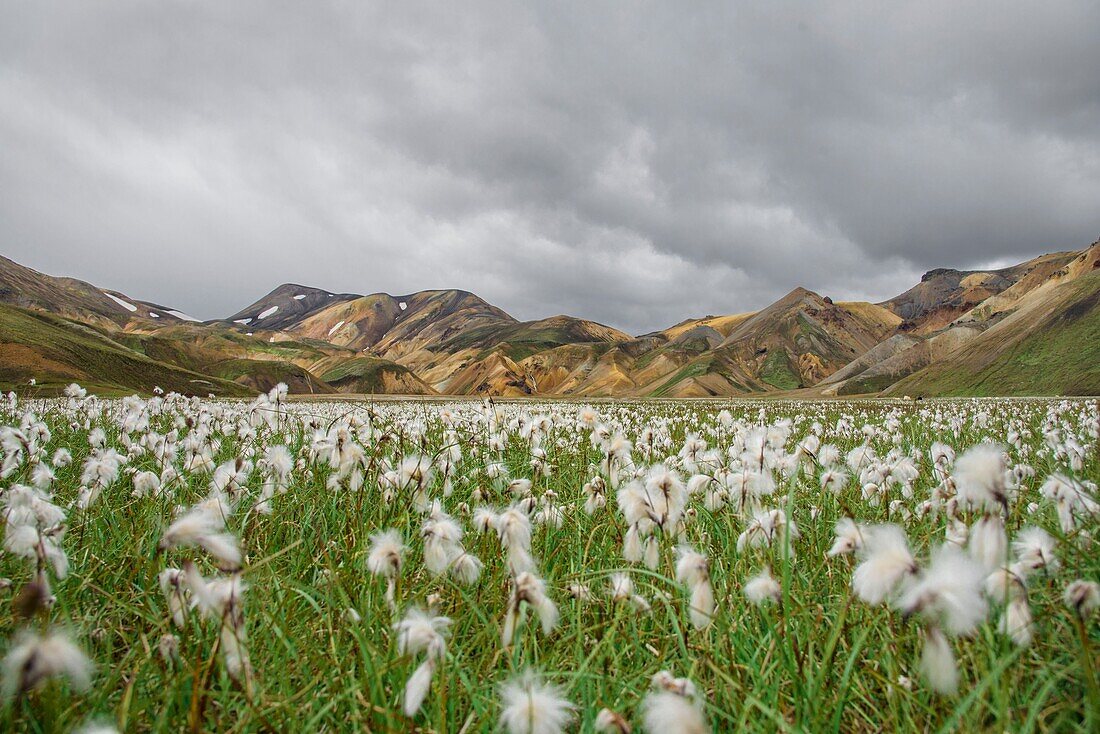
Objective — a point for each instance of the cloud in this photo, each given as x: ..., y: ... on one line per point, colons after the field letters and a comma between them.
x: 631, y: 164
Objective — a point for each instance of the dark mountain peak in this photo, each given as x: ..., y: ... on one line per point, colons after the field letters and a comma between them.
x: 939, y: 272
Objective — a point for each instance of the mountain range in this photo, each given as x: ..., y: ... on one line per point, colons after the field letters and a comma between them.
x: 1029, y: 329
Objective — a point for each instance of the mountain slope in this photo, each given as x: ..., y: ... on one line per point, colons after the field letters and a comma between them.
x: 1049, y: 346
x: 803, y: 338
x: 26, y: 288
x: 357, y: 323
x: 905, y: 359
x: 370, y: 376
x: 1029, y: 328
x: 525, y: 358
x: 945, y: 294
x: 721, y: 324
x: 285, y: 307
x: 895, y: 359
x: 55, y: 352
x: 432, y: 318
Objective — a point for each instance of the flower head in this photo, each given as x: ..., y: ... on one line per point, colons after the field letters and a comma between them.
x: 530, y: 706
x: 33, y: 660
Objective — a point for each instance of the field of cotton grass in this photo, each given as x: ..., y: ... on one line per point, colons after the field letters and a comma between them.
x: 188, y: 564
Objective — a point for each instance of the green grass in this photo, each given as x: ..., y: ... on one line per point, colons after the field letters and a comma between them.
x: 55, y: 351
x: 263, y: 374
x: 860, y: 385
x: 645, y: 359
x: 777, y: 371
x: 365, y: 374
x: 707, y: 365
x: 817, y: 663
x: 520, y: 350
x: 692, y: 369
x: 520, y: 340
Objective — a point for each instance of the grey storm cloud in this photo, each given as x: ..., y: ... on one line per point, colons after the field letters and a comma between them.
x: 633, y: 163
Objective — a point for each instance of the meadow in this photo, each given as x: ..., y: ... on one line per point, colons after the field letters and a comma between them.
x: 176, y: 563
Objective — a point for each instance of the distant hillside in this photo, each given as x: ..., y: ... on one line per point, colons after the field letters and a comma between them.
x: 1029, y: 328
x: 961, y: 356
x: 944, y: 294
x: 75, y: 299
x: 54, y: 352
x: 370, y: 376
x: 1049, y: 344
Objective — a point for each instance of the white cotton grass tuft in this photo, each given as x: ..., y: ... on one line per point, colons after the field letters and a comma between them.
x: 763, y: 589
x: 693, y: 570
x: 277, y: 466
x: 987, y: 541
x: 513, y: 528
x: 23, y: 538
x: 531, y: 706
x: 658, y: 499
x: 849, y: 538
x: 956, y: 532
x: 443, y: 549
x: 632, y: 544
x: 1034, y: 548
x: 171, y: 582
x: 387, y: 555
x: 980, y: 478
x: 528, y: 589
x: 34, y: 659
x: 146, y: 483
x: 664, y: 712
x: 204, y: 526
x: 421, y: 632
x: 673, y: 706
x: 885, y: 562
x: 1008, y: 585
x: 42, y: 477
x: 942, y: 456
x: 949, y: 593
x: 466, y: 569
x: 595, y: 493
x: 1072, y: 498
x: 1016, y: 622
x: 212, y: 597
x: 1082, y: 597
x: 484, y: 519
x: 833, y: 480
x: 666, y: 681
x: 417, y: 687
x: 168, y: 647
x: 223, y: 599
x: 937, y: 662
x: 651, y: 557
x: 61, y: 458
x: 621, y: 589
x: 766, y: 527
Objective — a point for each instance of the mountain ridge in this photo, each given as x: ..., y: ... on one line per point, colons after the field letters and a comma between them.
x: 949, y: 333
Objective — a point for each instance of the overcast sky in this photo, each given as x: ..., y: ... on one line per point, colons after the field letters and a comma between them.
x: 634, y: 163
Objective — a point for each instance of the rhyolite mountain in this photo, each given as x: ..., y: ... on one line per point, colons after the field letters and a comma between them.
x: 1033, y: 328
